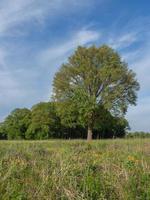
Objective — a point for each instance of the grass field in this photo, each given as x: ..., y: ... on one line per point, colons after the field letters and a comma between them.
x: 99, y: 170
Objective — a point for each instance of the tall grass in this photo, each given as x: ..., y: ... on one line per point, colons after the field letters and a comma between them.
x: 69, y: 170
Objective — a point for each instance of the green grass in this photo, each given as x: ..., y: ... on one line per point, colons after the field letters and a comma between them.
x: 99, y: 170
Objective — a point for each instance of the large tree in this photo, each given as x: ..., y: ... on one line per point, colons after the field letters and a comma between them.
x: 92, y: 78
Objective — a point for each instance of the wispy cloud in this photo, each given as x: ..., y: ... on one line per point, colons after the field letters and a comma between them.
x: 139, y: 60
x: 18, y: 12
x: 123, y: 41
x: 2, y: 58
x: 61, y: 51
x: 19, y: 81
x: 139, y: 116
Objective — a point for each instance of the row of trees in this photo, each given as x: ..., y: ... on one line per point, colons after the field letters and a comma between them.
x: 138, y: 134
x: 43, y: 122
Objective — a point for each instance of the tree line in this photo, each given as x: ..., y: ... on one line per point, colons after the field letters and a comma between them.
x: 91, y: 95
x: 137, y: 134
x: 43, y: 122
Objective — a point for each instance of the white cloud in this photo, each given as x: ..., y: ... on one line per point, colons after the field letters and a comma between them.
x: 18, y: 12
x: 139, y: 116
x: 137, y: 56
x: 123, y: 41
x: 2, y: 58
x: 52, y: 57
x: 139, y: 61
x: 19, y: 88
x: 15, y: 12
x: 142, y: 68
x: 60, y: 52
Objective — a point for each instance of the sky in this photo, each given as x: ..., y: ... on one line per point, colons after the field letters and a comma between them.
x: 37, y: 36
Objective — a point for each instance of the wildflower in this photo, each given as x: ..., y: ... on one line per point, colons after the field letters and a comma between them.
x: 131, y: 158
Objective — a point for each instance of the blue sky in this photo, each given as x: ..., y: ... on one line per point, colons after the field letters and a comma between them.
x: 36, y: 36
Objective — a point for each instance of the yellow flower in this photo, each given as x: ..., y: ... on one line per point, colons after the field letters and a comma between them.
x: 131, y: 158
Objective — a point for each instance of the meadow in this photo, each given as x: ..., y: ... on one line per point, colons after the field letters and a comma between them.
x: 116, y: 169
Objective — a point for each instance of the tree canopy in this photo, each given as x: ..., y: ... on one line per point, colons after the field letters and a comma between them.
x: 16, y: 124
x: 44, y: 121
x: 93, y: 78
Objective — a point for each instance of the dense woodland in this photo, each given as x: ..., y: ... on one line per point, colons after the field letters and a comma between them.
x: 42, y: 122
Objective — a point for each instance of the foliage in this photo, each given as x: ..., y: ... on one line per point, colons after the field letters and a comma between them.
x: 108, y: 126
x: 92, y: 78
x: 3, y: 134
x: 16, y: 123
x: 44, y: 122
x: 100, y: 170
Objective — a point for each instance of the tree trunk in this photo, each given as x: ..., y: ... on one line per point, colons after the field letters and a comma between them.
x: 90, y: 133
